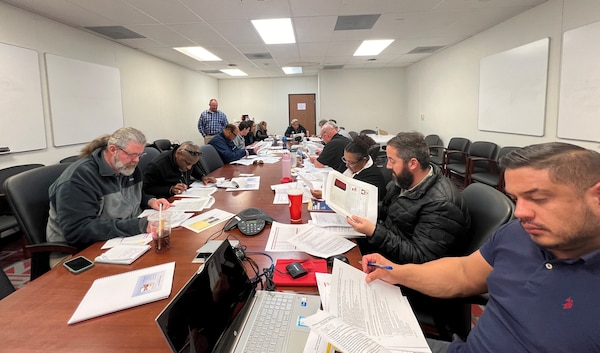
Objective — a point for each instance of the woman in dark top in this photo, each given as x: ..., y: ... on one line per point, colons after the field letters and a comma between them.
x: 294, y: 129
x: 360, y: 165
x: 261, y: 131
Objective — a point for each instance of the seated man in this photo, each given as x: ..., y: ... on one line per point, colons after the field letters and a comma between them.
x: 243, y: 130
x: 541, y: 271
x: 100, y: 196
x: 172, y: 172
x: 223, y: 143
x: 333, y: 151
x: 295, y: 129
x: 423, y: 216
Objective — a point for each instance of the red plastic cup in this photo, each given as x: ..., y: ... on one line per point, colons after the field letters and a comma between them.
x: 295, y: 197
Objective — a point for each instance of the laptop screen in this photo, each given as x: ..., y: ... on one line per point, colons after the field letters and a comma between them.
x: 202, y: 311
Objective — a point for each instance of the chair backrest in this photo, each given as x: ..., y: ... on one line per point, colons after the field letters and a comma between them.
x: 505, y: 150
x: 151, y: 153
x: 367, y: 131
x: 27, y: 193
x: 489, y: 209
x: 352, y: 133
x: 433, y: 140
x: 210, y: 159
x: 163, y: 144
x: 458, y: 144
x: 69, y: 159
x: 483, y: 149
x: 7, y: 173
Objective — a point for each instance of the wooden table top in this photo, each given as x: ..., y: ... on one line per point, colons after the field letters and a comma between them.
x: 34, y: 318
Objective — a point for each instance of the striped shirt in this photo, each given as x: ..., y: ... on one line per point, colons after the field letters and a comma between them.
x: 211, y: 123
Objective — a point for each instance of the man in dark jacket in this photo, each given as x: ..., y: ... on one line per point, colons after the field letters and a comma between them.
x: 423, y: 216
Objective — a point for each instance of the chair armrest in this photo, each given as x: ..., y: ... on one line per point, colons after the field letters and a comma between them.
x: 50, y: 247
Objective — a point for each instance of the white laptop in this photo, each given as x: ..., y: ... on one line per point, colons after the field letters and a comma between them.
x: 219, y: 310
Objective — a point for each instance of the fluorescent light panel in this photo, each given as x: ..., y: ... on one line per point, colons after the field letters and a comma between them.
x: 198, y: 53
x: 292, y: 70
x: 372, y: 47
x: 234, y: 72
x: 275, y: 31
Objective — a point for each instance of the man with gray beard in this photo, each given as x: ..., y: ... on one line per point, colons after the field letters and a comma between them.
x: 100, y: 196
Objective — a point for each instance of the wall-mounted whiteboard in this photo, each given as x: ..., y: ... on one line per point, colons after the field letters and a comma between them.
x: 512, y: 90
x: 21, y: 107
x: 85, y: 100
x: 579, y: 102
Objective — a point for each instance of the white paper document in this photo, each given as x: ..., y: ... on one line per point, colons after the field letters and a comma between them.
x: 207, y: 220
x: 125, y: 290
x: 177, y: 217
x: 198, y: 192
x: 378, y: 309
x: 248, y: 183
x: 139, y: 239
x: 279, y: 235
x: 192, y: 204
x: 320, y: 242
x: 123, y: 254
x: 348, y: 196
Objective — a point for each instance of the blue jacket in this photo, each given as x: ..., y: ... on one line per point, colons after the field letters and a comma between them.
x: 227, y: 149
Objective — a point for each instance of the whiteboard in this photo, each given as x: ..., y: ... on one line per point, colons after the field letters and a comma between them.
x: 21, y: 106
x: 579, y: 102
x: 512, y: 90
x: 85, y: 100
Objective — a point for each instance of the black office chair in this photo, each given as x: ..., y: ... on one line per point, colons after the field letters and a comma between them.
x: 151, y: 153
x: 6, y: 286
x: 489, y: 209
x: 485, y: 149
x: 492, y: 175
x: 456, y: 154
x: 436, y: 149
x: 69, y: 159
x: 163, y: 144
x: 27, y: 193
x: 352, y: 133
x: 8, y: 220
x: 367, y: 131
x: 210, y: 159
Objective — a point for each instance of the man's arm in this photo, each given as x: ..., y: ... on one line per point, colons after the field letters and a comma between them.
x: 227, y: 154
x: 201, y: 124
x: 444, y: 278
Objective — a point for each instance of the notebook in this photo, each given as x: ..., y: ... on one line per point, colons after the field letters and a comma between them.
x: 217, y: 310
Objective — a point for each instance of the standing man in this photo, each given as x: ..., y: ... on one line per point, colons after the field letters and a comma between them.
x: 100, y: 196
x: 541, y: 270
x: 334, y: 148
x: 212, y: 121
x: 172, y: 172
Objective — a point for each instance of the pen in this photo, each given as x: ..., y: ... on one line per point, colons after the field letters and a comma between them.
x: 385, y: 267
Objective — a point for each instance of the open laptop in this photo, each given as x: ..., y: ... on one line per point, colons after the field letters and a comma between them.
x: 219, y: 310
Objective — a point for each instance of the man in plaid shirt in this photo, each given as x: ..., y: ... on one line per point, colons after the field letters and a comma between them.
x: 212, y: 121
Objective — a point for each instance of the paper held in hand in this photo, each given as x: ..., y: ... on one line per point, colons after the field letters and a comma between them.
x: 348, y: 196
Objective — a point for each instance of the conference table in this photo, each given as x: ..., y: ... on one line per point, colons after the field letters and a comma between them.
x: 34, y: 318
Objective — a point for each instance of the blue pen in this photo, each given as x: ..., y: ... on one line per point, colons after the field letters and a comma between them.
x: 385, y: 267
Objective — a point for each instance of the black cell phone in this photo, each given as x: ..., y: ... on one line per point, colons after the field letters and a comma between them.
x: 78, y: 264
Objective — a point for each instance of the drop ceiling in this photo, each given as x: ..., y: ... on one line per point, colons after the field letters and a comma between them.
x: 327, y: 31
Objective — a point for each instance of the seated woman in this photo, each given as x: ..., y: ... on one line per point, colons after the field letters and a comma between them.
x: 295, y: 129
x: 261, y: 131
x: 360, y: 166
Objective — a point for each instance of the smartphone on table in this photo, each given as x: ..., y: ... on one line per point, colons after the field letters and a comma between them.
x: 78, y: 264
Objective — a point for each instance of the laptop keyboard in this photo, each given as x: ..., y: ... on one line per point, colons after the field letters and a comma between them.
x: 271, y: 325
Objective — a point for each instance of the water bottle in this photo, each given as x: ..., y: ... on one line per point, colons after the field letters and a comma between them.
x: 376, y: 130
x: 286, y: 168
x: 284, y: 142
x: 299, y: 157
x: 293, y: 157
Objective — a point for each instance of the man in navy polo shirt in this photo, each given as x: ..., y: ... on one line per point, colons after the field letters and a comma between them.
x: 541, y: 271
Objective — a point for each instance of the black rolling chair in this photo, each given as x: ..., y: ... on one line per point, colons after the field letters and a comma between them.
x: 484, y: 149
x: 210, y: 159
x: 492, y: 175
x: 27, y: 193
x: 8, y: 220
x: 489, y: 209
x: 163, y: 144
x: 6, y: 287
x: 150, y: 154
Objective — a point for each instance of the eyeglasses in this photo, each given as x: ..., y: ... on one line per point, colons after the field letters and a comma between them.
x: 351, y: 164
x: 194, y: 153
x: 132, y: 155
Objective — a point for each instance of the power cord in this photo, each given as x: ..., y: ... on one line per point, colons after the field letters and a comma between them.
x: 267, y: 272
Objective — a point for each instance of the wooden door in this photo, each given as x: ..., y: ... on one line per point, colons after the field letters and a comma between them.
x: 303, y: 108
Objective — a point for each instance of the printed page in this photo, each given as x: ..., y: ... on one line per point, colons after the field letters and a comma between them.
x: 320, y: 243
x: 279, y: 235
x: 348, y: 196
x: 207, y: 220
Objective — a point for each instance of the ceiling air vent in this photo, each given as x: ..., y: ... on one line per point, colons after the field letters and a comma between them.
x: 345, y: 23
x: 425, y: 50
x: 256, y: 56
x: 115, y: 32
x: 333, y: 67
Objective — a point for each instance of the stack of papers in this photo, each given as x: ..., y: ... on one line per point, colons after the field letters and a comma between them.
x: 123, y: 254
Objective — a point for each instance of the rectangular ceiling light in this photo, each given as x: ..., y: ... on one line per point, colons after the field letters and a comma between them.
x: 234, y: 72
x: 372, y: 47
x: 292, y: 70
x: 275, y: 31
x: 198, y: 53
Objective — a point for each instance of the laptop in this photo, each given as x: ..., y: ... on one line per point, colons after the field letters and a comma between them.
x: 219, y: 310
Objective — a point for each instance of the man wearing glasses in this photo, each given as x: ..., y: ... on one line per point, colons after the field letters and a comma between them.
x: 334, y: 148
x: 172, y: 172
x: 100, y: 196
